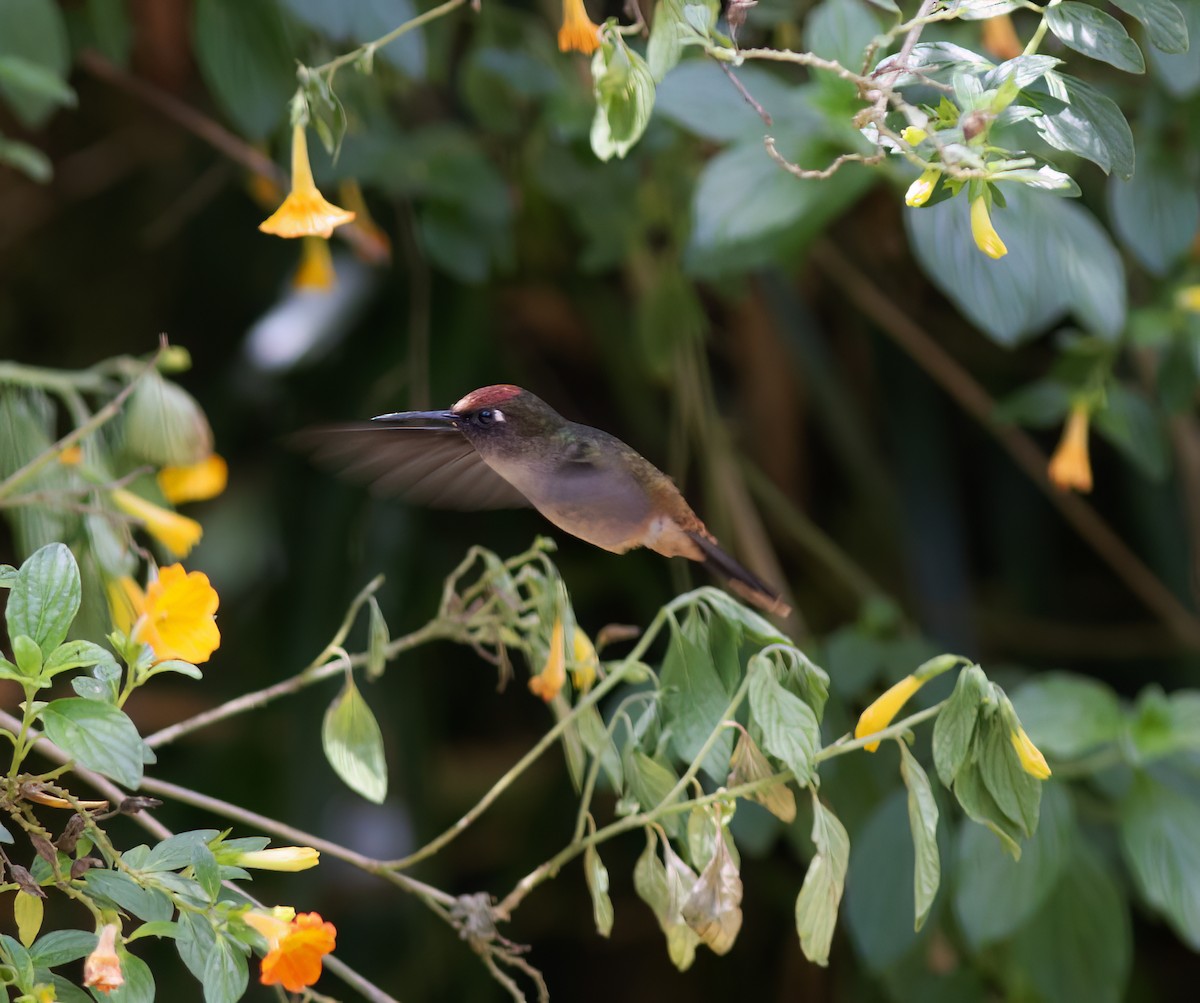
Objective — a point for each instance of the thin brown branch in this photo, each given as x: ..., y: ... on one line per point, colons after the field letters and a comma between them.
x: 976, y: 401
x: 819, y: 174
x: 746, y: 95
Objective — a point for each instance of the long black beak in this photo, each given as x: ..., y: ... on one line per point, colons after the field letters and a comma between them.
x: 420, y: 419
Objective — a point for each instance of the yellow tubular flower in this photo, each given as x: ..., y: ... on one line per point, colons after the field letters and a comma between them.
x: 1070, y: 468
x: 277, y: 858
x: 315, y: 270
x: 1032, y: 760
x: 913, y: 135
x: 305, y: 212
x: 986, y: 237
x: 880, y: 714
x: 920, y: 190
x: 549, y: 682
x: 583, y: 671
x: 176, y: 532
x: 178, y: 616
x: 195, y: 482
x: 102, y: 968
x: 578, y: 32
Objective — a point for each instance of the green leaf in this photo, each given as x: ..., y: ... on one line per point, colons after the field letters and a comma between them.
x: 669, y: 33
x: 664, y: 887
x: 1162, y: 726
x: 45, y: 598
x: 247, y: 60
x: 840, y: 30
x: 788, y: 726
x: 16, y: 955
x: 994, y: 895
x: 353, y: 744
x: 75, y: 655
x: 979, y: 804
x: 1017, y: 793
x: 1080, y: 119
x: 8, y: 576
x: 1059, y: 260
x: 955, y: 725
x: 119, y: 888
x: 175, y: 851
x: 597, y: 882
x: 1179, y: 72
x: 195, y: 941
x: 34, y: 31
x: 1164, y: 23
x: 1130, y: 423
x: 99, y: 736
x: 1156, y: 213
x: 599, y: 742
x: 62, y: 946
x: 377, y: 641
x: 695, y: 697
x: 1079, y: 945
x: 28, y: 656
x: 1041, y: 404
x: 33, y: 80
x: 624, y: 89
x: 1067, y: 715
x: 649, y: 782
x: 159, y: 928
x: 1085, y: 29
x: 226, y: 973
x: 821, y: 893
x: 111, y: 31
x: 922, y: 821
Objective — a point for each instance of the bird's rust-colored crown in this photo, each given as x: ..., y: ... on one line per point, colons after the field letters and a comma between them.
x: 487, y: 397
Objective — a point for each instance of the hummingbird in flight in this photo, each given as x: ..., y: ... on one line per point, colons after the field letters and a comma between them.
x: 503, y: 447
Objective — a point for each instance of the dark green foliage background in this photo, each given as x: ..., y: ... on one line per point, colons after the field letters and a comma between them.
x: 690, y: 293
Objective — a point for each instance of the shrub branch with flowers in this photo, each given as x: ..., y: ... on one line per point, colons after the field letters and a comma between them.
x: 732, y: 711
x: 712, y: 707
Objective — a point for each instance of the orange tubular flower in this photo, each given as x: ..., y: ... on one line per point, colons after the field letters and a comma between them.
x: 1070, y: 468
x: 1000, y: 37
x: 195, y: 482
x: 177, y: 533
x: 578, y: 32
x: 177, y: 614
x: 549, y: 682
x: 294, y: 947
x: 305, y: 212
x: 102, y: 968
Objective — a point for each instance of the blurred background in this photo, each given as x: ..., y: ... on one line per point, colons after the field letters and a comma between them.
x: 835, y: 402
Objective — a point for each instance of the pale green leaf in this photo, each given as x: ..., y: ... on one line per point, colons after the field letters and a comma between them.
x: 45, y: 597
x: 99, y: 736
x: 820, y: 895
x: 353, y: 744
x: 923, y: 822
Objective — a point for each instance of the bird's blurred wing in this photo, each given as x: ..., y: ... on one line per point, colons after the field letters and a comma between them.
x: 426, y: 466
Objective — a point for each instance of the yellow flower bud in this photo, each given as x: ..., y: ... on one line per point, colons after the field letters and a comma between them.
x: 986, y: 237
x: 1188, y: 298
x: 585, y: 663
x: 1032, y: 760
x: 913, y: 135
x: 920, y: 190
x: 277, y: 858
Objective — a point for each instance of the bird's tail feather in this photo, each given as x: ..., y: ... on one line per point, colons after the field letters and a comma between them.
x: 744, y: 583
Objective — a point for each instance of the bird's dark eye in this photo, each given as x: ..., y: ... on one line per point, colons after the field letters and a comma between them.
x: 485, y: 417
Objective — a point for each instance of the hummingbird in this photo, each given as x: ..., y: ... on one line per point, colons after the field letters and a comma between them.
x: 503, y: 447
